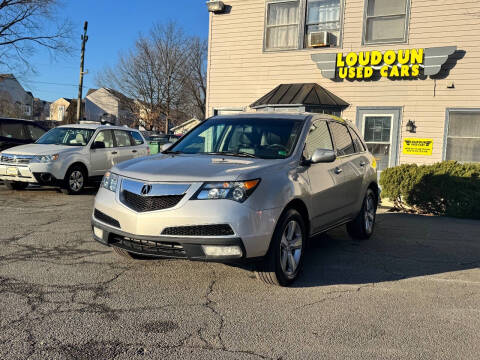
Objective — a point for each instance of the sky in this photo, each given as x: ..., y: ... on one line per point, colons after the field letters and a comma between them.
x: 113, y: 26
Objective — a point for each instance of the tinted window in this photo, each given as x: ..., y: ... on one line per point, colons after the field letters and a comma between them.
x: 35, y: 132
x: 318, y: 138
x: 122, y: 137
x: 342, y: 138
x: 356, y: 141
x: 106, y: 137
x: 13, y: 130
x: 264, y: 138
x: 137, y: 138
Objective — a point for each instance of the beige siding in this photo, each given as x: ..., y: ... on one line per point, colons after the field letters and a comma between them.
x: 240, y: 71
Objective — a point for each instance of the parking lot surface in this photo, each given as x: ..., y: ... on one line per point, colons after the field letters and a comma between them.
x: 411, y: 292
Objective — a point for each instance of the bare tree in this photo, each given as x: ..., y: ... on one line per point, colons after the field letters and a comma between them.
x: 196, y: 76
x: 157, y: 73
x: 28, y: 24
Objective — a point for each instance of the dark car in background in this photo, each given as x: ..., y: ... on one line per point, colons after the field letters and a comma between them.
x: 14, y: 132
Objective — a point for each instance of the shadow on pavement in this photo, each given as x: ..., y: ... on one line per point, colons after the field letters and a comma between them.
x: 403, y: 246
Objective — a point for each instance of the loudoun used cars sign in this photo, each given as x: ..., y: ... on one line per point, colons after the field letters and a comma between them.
x: 395, y: 64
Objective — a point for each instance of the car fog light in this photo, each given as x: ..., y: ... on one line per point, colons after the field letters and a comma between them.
x: 98, y: 232
x: 214, y: 250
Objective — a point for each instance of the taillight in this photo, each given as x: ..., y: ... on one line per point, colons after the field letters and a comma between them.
x: 148, y: 150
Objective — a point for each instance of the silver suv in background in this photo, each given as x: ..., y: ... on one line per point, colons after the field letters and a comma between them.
x: 252, y: 186
x: 69, y: 156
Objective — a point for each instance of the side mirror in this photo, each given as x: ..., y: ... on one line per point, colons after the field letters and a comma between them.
x: 98, y: 145
x: 322, y: 156
x: 165, y: 147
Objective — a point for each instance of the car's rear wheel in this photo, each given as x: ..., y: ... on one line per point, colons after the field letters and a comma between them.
x: 16, y: 185
x: 361, y: 228
x: 75, y: 180
x: 284, y: 260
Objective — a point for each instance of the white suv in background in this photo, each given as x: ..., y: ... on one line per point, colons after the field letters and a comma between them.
x: 71, y: 155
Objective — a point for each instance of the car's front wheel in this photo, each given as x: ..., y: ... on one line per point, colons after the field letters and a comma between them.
x: 284, y: 260
x: 16, y: 185
x: 361, y: 228
x: 75, y: 180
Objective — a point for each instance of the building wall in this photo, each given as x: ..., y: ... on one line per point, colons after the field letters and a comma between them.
x: 14, y: 100
x: 54, y: 107
x: 99, y: 103
x: 240, y: 71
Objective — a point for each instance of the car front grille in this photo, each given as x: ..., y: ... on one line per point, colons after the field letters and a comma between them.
x: 16, y: 159
x: 199, y: 230
x: 105, y: 218
x: 148, y: 247
x: 141, y: 203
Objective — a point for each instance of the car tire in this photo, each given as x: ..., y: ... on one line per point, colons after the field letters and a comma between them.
x: 361, y: 228
x: 74, y: 181
x: 16, y: 185
x: 284, y: 260
x: 124, y: 253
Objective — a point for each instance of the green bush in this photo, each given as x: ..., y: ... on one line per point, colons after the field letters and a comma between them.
x: 448, y: 188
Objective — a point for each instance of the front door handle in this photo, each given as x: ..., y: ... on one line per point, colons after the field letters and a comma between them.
x: 114, y: 153
x: 338, y: 170
x: 363, y: 163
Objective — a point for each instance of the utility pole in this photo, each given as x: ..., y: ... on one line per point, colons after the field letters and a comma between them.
x: 80, y: 85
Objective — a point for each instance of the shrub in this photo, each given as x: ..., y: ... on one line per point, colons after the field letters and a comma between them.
x: 448, y: 188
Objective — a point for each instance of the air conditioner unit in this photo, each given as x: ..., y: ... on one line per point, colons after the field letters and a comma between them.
x: 319, y: 39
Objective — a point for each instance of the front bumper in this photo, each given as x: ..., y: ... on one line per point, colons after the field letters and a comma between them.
x: 165, y: 246
x: 251, y: 228
x: 34, y: 173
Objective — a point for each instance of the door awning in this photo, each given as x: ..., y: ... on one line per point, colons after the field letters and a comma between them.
x: 305, y: 94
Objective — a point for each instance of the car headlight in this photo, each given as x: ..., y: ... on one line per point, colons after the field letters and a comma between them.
x: 110, y: 181
x: 46, y: 158
x: 233, y: 190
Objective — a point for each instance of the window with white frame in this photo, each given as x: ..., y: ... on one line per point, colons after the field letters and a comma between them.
x: 385, y: 21
x: 463, y: 135
x: 323, y: 17
x: 282, y: 25
x: 291, y: 25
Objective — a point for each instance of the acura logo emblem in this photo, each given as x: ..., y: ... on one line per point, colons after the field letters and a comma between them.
x: 146, y: 189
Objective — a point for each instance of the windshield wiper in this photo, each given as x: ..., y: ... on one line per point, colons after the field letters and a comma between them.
x: 172, y: 152
x: 227, y: 153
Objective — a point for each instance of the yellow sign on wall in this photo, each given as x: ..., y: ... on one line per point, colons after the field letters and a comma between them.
x: 417, y: 146
x: 390, y: 64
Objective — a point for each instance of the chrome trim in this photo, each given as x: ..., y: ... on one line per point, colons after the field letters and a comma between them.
x: 159, y: 189
x: 16, y: 159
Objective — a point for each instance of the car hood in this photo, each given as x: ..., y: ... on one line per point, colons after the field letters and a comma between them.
x: 39, y: 149
x: 192, y: 168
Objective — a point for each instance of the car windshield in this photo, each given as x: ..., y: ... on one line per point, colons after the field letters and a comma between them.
x: 247, y: 137
x: 67, y: 136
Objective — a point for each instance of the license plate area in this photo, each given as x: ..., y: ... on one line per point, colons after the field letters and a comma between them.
x: 12, y: 171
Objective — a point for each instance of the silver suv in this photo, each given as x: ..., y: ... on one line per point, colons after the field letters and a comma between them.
x: 69, y: 156
x: 242, y: 187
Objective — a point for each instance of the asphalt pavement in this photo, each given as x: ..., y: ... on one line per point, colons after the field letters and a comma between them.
x: 411, y: 292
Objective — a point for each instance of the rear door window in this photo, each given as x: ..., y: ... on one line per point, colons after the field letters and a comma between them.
x: 343, y: 140
x: 137, y: 138
x: 122, y: 137
x: 356, y: 141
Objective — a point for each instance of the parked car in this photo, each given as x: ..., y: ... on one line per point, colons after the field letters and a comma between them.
x: 242, y: 187
x: 69, y: 156
x: 14, y: 132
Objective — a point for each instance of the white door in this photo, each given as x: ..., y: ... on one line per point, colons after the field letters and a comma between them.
x: 377, y: 130
x: 102, y: 158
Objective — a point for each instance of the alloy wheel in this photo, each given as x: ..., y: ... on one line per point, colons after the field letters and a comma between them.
x: 291, y: 248
x: 76, y: 180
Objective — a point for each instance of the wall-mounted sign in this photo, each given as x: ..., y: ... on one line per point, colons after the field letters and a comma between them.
x: 413, y: 146
x: 394, y: 64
